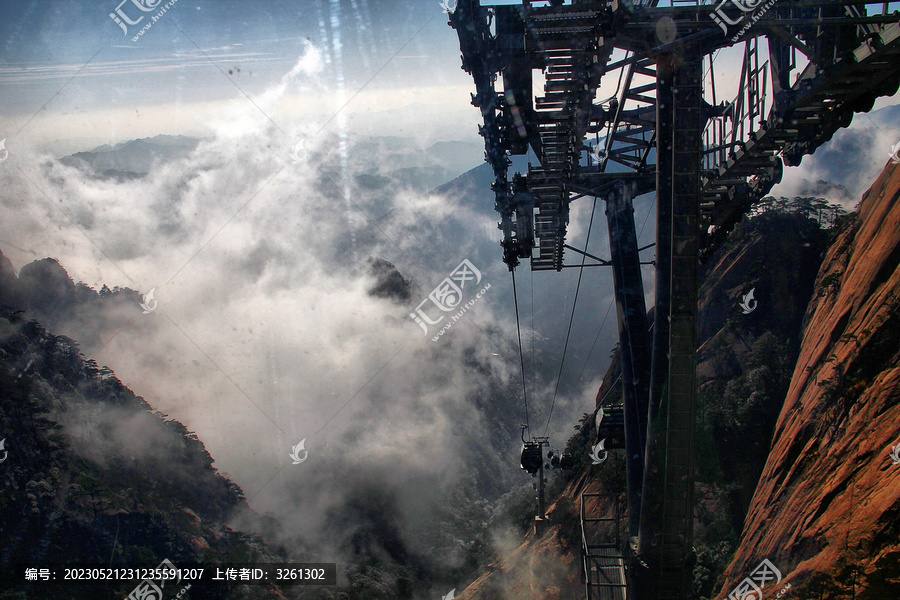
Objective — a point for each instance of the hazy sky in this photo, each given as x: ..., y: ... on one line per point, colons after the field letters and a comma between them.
x: 393, y: 58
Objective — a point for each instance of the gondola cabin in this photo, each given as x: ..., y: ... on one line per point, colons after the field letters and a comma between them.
x: 531, y: 457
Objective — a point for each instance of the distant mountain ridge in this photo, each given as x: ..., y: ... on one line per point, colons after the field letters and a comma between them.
x: 409, y: 165
x: 132, y: 159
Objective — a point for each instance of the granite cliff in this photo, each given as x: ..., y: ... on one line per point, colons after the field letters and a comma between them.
x: 826, y: 511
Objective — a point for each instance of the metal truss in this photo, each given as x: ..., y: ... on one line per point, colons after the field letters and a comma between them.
x: 628, y: 102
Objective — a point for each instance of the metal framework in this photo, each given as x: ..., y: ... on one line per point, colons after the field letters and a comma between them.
x: 602, y: 558
x: 667, y: 126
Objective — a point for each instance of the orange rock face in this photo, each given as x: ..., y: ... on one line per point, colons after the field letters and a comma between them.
x: 830, y: 491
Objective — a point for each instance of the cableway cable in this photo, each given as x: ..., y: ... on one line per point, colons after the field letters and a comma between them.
x: 609, y: 306
x: 572, y: 316
x: 533, y: 369
x: 521, y: 355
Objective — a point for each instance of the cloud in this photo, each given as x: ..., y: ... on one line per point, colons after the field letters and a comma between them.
x: 853, y: 159
x: 138, y: 66
x: 266, y: 331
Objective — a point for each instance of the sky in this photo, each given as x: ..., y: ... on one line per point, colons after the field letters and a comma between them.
x: 72, y: 59
x: 256, y: 242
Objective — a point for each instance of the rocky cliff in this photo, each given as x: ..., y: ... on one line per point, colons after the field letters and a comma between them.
x: 826, y: 511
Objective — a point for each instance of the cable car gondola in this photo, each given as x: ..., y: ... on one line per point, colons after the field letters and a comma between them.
x: 532, y: 457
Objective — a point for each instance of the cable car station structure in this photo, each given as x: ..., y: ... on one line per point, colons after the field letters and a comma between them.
x: 807, y: 67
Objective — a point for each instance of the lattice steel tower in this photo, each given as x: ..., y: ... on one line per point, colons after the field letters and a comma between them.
x: 665, y: 127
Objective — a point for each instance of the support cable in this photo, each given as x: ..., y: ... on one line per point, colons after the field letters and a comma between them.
x: 533, y: 369
x: 521, y: 356
x: 609, y: 307
x: 562, y: 361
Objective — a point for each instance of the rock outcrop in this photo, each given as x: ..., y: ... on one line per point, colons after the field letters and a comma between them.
x: 44, y: 291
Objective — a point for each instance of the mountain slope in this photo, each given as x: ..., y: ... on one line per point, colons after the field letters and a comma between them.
x: 385, y: 557
x: 44, y: 292
x: 93, y: 475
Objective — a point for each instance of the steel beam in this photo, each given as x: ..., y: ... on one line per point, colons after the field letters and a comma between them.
x: 634, y: 342
x: 664, y: 553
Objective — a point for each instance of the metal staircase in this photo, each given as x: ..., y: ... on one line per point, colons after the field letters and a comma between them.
x: 603, y: 561
x: 745, y: 151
